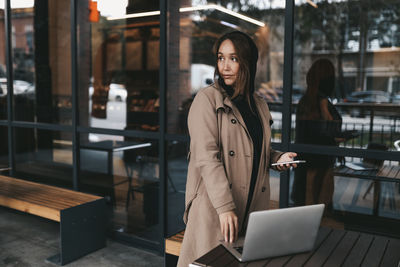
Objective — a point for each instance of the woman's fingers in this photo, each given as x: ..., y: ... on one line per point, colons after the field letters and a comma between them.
x: 229, y: 226
x: 225, y: 231
x: 233, y: 228
x: 236, y: 223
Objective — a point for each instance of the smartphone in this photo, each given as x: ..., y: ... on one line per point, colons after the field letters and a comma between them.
x: 289, y: 162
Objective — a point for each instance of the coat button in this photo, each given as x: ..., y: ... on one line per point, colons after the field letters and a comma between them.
x: 232, y: 153
x: 233, y: 121
x: 263, y: 189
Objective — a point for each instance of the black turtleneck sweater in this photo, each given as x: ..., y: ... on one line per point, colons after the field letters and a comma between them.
x: 255, y: 129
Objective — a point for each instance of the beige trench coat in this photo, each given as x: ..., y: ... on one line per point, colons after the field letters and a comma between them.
x: 219, y: 183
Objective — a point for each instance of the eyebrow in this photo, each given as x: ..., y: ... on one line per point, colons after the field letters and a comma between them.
x: 232, y: 54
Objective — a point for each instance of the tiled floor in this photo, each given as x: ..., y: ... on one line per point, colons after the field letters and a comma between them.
x: 27, y: 240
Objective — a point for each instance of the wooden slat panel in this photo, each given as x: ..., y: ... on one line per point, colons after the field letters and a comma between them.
x: 37, y: 190
x: 300, y: 259
x: 173, y: 244
x: 172, y: 247
x: 260, y: 263
x: 384, y: 171
x: 210, y: 256
x: 237, y: 263
x: 325, y: 250
x: 375, y: 252
x: 392, y: 255
x: 27, y: 207
x: 393, y: 172
x: 358, y: 252
x: 223, y: 260
x: 36, y: 196
x: 397, y: 175
x: 40, y: 194
x: 280, y: 261
x: 82, y: 196
x: 340, y: 253
x: 39, y: 199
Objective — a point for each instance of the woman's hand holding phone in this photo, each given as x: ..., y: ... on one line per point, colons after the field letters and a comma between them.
x: 286, y: 161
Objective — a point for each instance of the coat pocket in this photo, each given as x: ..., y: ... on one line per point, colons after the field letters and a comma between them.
x: 187, y: 208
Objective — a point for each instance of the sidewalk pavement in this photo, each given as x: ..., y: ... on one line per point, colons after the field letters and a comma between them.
x: 27, y: 241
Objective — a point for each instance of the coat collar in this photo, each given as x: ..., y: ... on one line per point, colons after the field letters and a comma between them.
x: 224, y: 101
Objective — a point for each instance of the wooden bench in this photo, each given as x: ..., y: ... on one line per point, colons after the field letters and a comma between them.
x: 81, y: 216
x: 173, y: 244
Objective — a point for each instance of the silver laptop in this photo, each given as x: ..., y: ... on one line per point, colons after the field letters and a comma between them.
x: 272, y: 233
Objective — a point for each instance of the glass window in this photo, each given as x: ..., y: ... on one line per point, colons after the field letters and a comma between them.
x: 193, y: 28
x: 177, y: 165
x: 347, y: 56
x: 119, y: 64
x: 125, y: 171
x: 44, y: 156
x: 3, y: 149
x: 3, y: 78
x: 41, y: 60
x: 192, y: 32
x: 359, y: 185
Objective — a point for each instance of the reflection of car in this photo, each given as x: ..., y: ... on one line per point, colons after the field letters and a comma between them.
x: 297, y: 93
x: 396, y: 99
x: 368, y: 97
x: 20, y: 87
x: 117, y: 92
x: 3, y: 86
x: 274, y: 94
x: 375, y: 97
x: 201, y: 76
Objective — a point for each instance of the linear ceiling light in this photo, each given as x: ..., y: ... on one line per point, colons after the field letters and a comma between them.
x: 136, y: 15
x: 194, y: 8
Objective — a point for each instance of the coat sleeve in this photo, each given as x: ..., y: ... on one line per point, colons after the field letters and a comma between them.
x: 204, y: 149
x: 275, y: 155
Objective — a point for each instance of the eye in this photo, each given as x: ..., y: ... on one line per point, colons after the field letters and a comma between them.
x: 234, y: 59
x: 220, y: 58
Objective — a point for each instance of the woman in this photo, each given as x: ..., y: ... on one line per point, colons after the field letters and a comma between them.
x: 230, y: 151
x: 317, y: 122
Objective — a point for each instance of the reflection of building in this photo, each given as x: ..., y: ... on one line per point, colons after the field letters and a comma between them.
x: 362, y: 42
x: 2, y: 45
x: 22, y: 41
x: 381, y: 71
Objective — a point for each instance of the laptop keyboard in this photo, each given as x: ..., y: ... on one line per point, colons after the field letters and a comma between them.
x: 239, y: 249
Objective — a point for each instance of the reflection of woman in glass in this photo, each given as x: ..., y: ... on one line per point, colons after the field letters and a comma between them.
x: 317, y: 122
x: 230, y: 151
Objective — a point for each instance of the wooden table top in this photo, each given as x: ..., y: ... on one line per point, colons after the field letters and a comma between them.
x: 333, y: 247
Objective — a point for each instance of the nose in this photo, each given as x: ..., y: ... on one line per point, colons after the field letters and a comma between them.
x: 226, y: 66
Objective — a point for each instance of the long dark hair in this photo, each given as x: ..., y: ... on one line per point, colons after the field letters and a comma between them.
x: 320, y: 83
x: 247, y: 53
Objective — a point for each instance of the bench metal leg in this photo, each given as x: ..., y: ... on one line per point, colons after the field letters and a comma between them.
x: 82, y: 231
x: 170, y: 260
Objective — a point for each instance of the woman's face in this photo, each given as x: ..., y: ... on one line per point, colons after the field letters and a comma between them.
x: 228, y: 63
